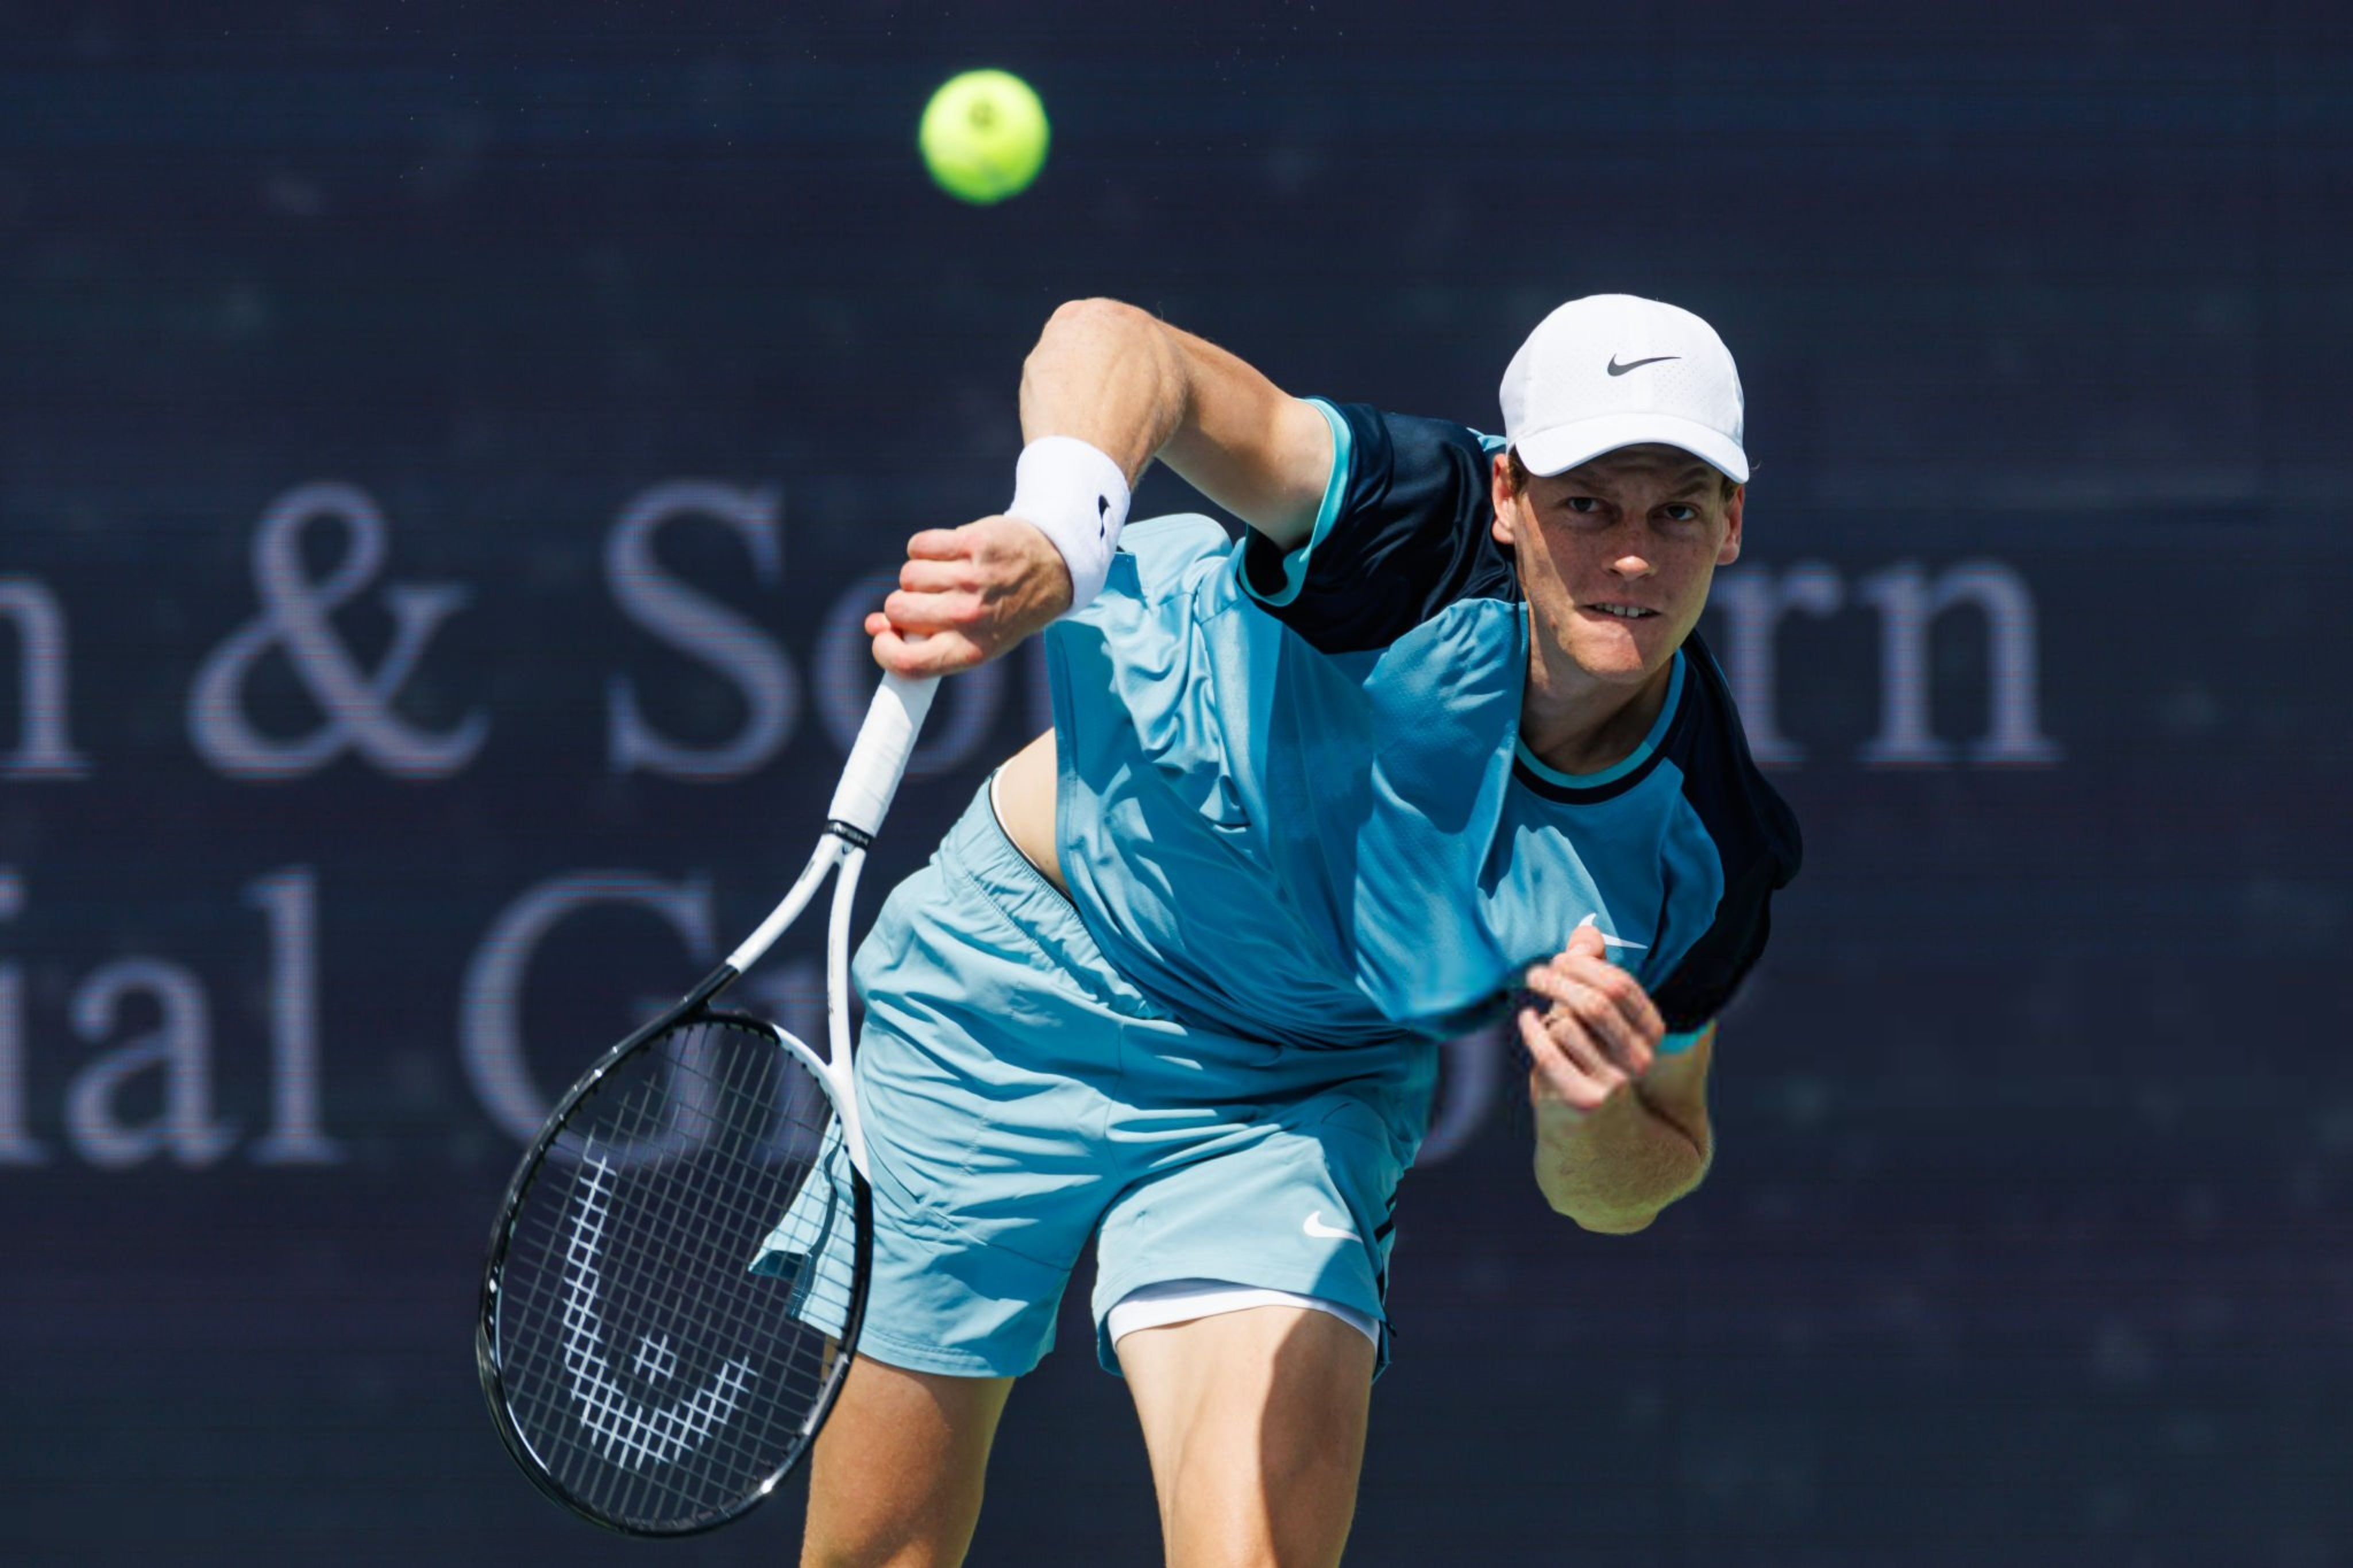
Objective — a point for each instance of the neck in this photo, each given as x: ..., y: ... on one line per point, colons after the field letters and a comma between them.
x: 1580, y: 725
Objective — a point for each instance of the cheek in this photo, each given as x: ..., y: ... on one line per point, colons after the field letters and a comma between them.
x: 1567, y: 557
x: 1694, y: 555
x: 1693, y: 579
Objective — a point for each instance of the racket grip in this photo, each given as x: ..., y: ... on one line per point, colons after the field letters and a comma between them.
x: 879, y: 758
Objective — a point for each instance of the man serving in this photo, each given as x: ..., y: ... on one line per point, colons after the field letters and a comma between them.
x: 1435, y: 742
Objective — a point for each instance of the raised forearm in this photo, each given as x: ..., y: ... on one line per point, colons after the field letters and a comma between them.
x: 1109, y: 374
x: 1136, y: 387
x: 1614, y: 1169
x: 1117, y: 379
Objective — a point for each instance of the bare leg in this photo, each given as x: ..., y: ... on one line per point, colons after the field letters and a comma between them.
x: 896, y: 1479
x: 1255, y: 1421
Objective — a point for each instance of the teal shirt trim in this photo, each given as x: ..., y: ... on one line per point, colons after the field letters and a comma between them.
x: 1335, y: 488
x: 1633, y: 760
x: 1675, y: 1044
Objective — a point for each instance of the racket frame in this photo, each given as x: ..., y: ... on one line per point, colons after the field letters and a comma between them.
x: 868, y: 781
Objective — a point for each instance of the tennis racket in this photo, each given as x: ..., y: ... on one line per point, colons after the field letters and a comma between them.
x: 678, y: 1270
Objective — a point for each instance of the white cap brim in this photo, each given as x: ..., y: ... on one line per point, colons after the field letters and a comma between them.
x: 1564, y: 447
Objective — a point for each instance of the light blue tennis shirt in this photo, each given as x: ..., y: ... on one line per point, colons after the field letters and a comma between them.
x: 1293, y: 801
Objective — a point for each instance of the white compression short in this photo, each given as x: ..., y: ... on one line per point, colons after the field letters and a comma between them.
x: 1182, y: 1300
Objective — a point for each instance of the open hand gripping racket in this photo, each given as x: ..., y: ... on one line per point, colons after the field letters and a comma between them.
x: 678, y: 1272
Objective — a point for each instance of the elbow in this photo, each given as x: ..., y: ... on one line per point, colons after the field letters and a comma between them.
x: 1575, y: 1203
x: 1616, y: 1224
x: 1094, y: 316
x: 1618, y: 1208
x: 1600, y: 1222
x: 1088, y: 344
x: 1092, y: 333
x: 1071, y: 312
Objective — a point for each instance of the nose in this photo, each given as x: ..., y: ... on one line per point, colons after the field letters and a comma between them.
x: 1631, y: 567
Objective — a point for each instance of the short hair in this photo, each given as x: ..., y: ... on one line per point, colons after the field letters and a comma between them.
x: 1517, y: 472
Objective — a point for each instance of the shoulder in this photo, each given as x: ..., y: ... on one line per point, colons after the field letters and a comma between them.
x: 1401, y: 462
x: 1406, y: 528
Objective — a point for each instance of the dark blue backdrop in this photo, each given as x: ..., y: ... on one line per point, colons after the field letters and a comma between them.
x: 438, y: 438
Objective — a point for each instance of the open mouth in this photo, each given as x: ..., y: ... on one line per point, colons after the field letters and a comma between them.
x: 1623, y: 612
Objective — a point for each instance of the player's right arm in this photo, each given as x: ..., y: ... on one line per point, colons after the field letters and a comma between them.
x: 1130, y: 384
x: 1136, y: 388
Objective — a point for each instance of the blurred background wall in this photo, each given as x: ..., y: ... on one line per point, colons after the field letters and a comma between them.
x: 444, y: 452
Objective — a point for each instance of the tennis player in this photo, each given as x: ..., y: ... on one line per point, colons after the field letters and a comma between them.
x: 1435, y: 742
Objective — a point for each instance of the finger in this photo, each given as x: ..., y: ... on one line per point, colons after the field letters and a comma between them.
x: 938, y: 544
x: 932, y: 612
x: 1636, y: 1004
x: 926, y: 575
x: 1590, y: 1048
x: 1570, y: 1040
x: 1587, y: 939
x: 1625, y: 992
x: 1561, y: 1075
x: 941, y: 654
x: 1570, y: 1083
x: 1618, y: 985
x: 878, y: 624
x: 1584, y: 994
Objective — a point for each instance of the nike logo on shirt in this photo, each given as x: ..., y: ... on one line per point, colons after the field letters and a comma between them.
x: 1315, y: 1225
x: 1608, y: 941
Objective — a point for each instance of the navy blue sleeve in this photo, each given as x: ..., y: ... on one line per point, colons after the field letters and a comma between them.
x: 1757, y: 840
x: 1405, y: 531
x: 1713, y: 970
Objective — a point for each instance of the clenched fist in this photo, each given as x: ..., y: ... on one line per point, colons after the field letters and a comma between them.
x: 1590, y: 1025
x: 966, y: 594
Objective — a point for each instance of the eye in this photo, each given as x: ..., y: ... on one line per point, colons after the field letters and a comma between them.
x: 1585, y: 506
x: 1683, y: 511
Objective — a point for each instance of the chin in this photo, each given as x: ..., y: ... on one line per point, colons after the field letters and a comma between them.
x: 1622, y: 659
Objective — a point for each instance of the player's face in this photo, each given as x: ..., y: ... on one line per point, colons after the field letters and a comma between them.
x: 1639, y: 529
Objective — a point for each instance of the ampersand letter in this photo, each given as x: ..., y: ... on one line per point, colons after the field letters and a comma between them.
x: 354, y: 705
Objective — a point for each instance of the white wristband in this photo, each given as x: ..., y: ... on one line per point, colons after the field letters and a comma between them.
x: 1078, y: 498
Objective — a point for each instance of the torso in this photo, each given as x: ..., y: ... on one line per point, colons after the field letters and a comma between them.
x: 1024, y: 795
x: 1025, y: 807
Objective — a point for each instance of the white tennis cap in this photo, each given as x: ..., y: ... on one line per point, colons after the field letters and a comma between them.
x: 1612, y: 370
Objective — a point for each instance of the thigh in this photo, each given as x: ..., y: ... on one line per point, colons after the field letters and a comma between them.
x: 977, y: 1069
x: 896, y: 1476
x: 1303, y: 1200
x: 1255, y: 1422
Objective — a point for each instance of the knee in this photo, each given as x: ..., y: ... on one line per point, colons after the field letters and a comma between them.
x: 896, y: 1479
x: 888, y: 1527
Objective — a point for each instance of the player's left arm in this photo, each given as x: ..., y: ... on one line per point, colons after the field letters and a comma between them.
x: 1621, y: 1128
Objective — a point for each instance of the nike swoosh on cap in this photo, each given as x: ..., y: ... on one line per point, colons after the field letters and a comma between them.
x: 1616, y: 369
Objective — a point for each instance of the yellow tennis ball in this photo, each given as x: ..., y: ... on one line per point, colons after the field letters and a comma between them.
x: 983, y: 136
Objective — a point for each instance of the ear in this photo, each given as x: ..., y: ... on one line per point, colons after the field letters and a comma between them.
x: 1500, y: 491
x: 1730, y: 552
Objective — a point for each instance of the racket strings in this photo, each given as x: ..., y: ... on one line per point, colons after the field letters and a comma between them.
x: 686, y: 1228
x: 654, y: 1376
x: 641, y: 1439
x: 683, y: 1232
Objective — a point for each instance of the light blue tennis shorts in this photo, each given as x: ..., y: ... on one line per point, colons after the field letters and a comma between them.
x: 1021, y: 1097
